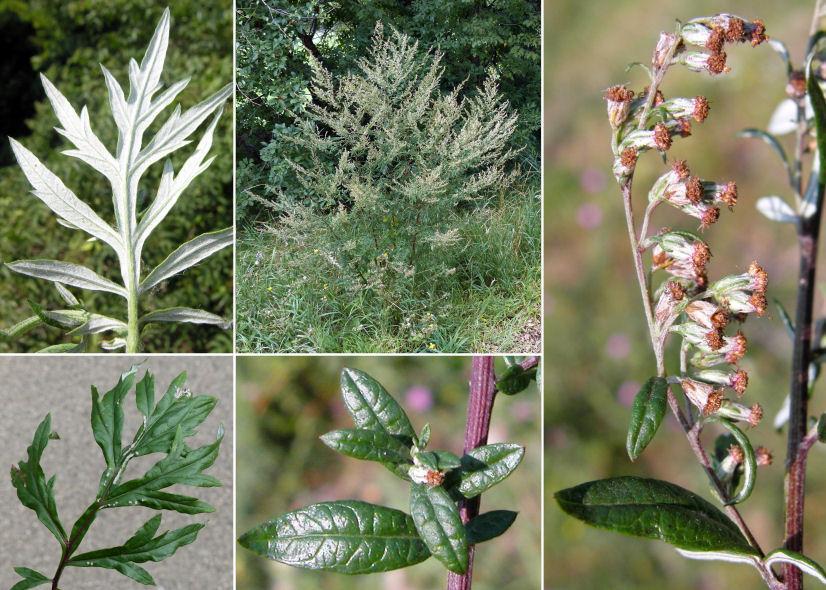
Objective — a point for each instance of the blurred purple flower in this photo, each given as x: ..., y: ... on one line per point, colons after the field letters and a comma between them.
x: 592, y: 180
x: 523, y: 410
x: 627, y: 391
x: 589, y: 216
x: 618, y: 346
x: 419, y: 398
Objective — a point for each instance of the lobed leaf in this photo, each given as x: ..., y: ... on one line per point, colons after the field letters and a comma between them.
x: 107, y: 418
x: 656, y: 510
x: 647, y: 414
x: 66, y: 273
x: 143, y: 546
x: 437, y: 519
x: 31, y: 579
x: 368, y: 445
x: 33, y: 491
x: 50, y: 189
x: 486, y: 466
x: 145, y: 395
x: 348, y: 537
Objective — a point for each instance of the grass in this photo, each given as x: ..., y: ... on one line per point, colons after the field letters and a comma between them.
x: 489, y: 305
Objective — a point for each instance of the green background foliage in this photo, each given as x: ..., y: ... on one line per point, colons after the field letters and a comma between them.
x: 66, y: 41
x: 596, y: 333
x: 285, y: 404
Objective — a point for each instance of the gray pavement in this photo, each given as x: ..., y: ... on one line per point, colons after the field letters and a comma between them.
x: 31, y: 387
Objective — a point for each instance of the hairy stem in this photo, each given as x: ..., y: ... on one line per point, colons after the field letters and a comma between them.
x: 133, y: 329
x: 795, y: 483
x: 480, y: 406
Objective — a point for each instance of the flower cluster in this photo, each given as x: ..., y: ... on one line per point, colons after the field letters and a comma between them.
x: 711, y: 34
x: 686, y: 303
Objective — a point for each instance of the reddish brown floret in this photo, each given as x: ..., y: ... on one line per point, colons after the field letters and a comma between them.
x: 738, y: 349
x: 700, y: 109
x: 716, y: 63
x: 680, y: 168
x: 756, y: 415
x: 736, y: 30
x: 700, y: 257
x: 684, y: 127
x: 739, y: 382
x: 758, y: 302
x: 694, y: 190
x: 675, y: 290
x: 729, y: 195
x: 763, y: 456
x: 628, y: 157
x: 662, y: 138
x: 619, y: 94
x: 435, y: 478
x: 796, y: 87
x: 760, y: 278
x: 711, y: 215
x: 716, y: 40
x: 715, y: 400
x: 719, y: 319
x: 736, y: 453
x: 758, y: 32
x: 714, y: 340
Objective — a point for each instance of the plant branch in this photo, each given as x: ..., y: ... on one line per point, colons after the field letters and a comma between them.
x: 480, y: 407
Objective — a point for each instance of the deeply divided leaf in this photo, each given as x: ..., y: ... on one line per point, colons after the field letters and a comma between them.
x: 33, y: 490
x: 348, y: 537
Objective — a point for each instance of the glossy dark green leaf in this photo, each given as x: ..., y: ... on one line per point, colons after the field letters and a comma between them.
x: 821, y: 428
x: 107, y: 418
x: 368, y: 445
x: 656, y: 510
x: 489, y: 525
x: 439, y: 460
x: 177, y: 408
x: 143, y: 546
x: 145, y: 394
x: 31, y: 579
x: 515, y: 379
x: 32, y: 488
x: 182, y: 466
x: 372, y: 407
x: 485, y: 466
x: 646, y: 415
x: 424, y: 436
x: 348, y: 537
x: 437, y: 519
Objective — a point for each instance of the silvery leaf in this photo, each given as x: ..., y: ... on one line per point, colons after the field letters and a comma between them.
x: 66, y: 295
x: 171, y: 186
x: 776, y: 209
x: 66, y: 273
x: 51, y: 190
x: 784, y: 117
x: 78, y: 130
x: 729, y: 556
x: 189, y: 254
x: 802, y: 562
x: 113, y: 344
x: 96, y: 324
x: 185, y: 315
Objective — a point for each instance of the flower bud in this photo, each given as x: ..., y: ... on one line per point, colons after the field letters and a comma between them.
x: 704, y: 396
x: 796, y: 87
x: 695, y: 33
x: 707, y: 314
x: 683, y: 108
x: 619, y: 105
x: 624, y: 164
x: 668, y: 305
x: 736, y: 380
x: 721, y: 193
x: 763, y: 456
x: 699, y: 61
x: 681, y: 254
x: 735, y: 28
x: 665, y: 44
x: 709, y: 339
x: 735, y: 411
